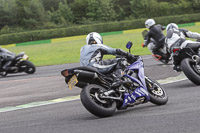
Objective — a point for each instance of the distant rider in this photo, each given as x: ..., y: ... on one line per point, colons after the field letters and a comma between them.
x: 7, y: 57
x: 155, y: 33
x: 176, y: 38
x: 92, y: 55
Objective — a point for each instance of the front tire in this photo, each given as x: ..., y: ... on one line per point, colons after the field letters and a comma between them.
x: 90, y: 98
x: 191, y: 70
x: 157, y: 93
x: 3, y: 73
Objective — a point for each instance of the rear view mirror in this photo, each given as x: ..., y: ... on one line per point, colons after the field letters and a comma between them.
x: 129, y: 45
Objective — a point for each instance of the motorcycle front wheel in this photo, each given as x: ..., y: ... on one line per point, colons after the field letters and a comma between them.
x: 3, y: 73
x: 92, y: 101
x: 157, y: 93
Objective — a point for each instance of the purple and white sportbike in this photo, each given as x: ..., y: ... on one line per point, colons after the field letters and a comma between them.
x: 102, y: 100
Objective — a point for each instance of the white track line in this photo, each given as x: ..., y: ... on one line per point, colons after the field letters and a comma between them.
x: 29, y: 79
x: 72, y: 98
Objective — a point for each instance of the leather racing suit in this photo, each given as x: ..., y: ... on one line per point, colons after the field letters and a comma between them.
x: 92, y: 55
x: 176, y: 38
x: 155, y: 33
x: 8, y: 57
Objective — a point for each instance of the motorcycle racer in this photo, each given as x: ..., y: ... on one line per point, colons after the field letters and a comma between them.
x: 177, y: 38
x: 92, y: 54
x: 155, y: 33
x: 8, y: 57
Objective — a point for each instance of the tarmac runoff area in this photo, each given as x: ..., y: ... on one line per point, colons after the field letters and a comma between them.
x: 169, y: 80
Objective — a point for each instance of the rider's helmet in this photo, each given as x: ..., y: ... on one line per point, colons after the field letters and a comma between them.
x: 149, y: 23
x: 94, y: 38
x: 171, y: 26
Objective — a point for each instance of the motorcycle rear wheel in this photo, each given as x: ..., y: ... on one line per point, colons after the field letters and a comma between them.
x: 190, y: 70
x: 27, y: 66
x: 91, y: 100
x: 157, y: 93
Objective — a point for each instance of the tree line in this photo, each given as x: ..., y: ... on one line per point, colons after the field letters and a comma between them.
x: 22, y: 15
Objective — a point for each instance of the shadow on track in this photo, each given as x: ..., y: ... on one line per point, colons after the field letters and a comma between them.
x: 136, y: 110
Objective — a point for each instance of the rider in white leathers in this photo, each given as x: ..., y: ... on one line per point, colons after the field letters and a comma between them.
x: 177, y: 38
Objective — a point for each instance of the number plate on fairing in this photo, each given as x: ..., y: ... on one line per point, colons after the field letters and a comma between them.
x: 25, y: 57
x: 72, y: 82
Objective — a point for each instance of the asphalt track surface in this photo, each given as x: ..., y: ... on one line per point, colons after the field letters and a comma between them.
x: 179, y: 115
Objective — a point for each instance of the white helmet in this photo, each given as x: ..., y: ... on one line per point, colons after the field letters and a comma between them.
x: 171, y: 25
x: 149, y: 23
x: 94, y: 38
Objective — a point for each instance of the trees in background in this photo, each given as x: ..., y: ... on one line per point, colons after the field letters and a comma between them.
x: 42, y: 14
x: 22, y: 13
x: 100, y: 10
x: 33, y: 13
x: 62, y: 16
x: 7, y: 13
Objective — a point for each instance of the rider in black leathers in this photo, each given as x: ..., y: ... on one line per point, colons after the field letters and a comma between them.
x: 155, y: 32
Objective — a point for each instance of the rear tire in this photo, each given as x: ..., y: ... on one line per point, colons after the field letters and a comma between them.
x: 94, y: 104
x: 27, y: 66
x: 157, y: 93
x: 191, y: 72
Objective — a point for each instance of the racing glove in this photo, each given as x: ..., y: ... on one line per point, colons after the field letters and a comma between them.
x: 121, y: 52
x: 143, y: 45
x: 129, y: 56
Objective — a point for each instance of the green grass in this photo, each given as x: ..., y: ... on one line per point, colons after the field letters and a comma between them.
x: 69, y: 51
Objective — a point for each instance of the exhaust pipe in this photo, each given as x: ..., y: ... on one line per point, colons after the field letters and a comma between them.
x: 196, y: 58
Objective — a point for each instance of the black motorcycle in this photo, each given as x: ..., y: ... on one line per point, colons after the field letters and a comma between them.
x: 20, y: 61
x: 188, y: 61
x: 102, y: 100
x: 163, y: 50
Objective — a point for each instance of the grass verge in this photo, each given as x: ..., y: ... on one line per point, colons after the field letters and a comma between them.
x: 69, y: 51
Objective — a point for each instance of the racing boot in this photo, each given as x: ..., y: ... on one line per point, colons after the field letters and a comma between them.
x: 117, y: 83
x: 117, y: 78
x: 177, y: 68
x: 7, y: 67
x: 167, y: 56
x: 14, y: 69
